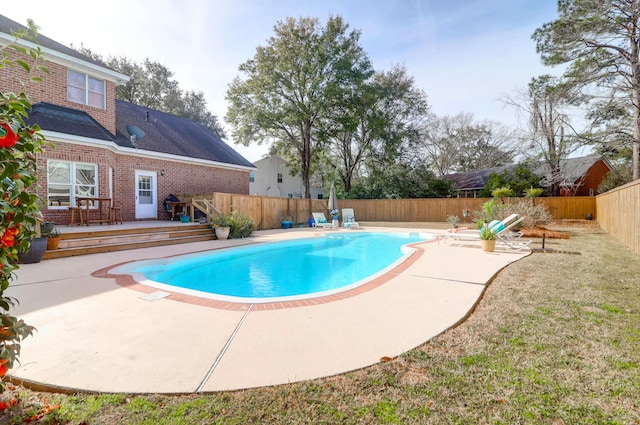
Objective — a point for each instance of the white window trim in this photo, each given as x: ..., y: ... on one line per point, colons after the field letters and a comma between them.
x: 87, y: 90
x: 73, y: 184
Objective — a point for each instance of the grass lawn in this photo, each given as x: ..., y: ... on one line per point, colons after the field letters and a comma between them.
x: 555, y: 340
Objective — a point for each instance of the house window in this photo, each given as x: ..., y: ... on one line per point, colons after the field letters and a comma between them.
x: 320, y: 196
x: 279, y: 177
x: 82, y: 88
x: 67, y: 181
x: 252, y: 177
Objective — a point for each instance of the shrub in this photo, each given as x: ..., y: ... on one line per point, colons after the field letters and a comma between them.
x: 453, y: 220
x: 19, y: 204
x: 533, y: 214
x: 487, y: 214
x: 239, y: 225
x: 502, y: 192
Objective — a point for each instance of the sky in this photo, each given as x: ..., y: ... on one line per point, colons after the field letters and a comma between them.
x: 465, y: 54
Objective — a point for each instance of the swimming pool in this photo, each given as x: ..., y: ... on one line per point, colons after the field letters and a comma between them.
x: 279, y: 271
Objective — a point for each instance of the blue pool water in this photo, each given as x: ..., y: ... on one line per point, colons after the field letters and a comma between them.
x: 279, y: 270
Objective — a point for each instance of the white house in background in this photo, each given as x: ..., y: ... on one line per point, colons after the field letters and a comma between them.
x: 272, y: 177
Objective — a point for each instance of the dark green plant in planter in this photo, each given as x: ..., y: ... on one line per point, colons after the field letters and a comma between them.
x: 19, y: 204
x: 239, y: 226
x: 487, y: 239
x: 486, y: 234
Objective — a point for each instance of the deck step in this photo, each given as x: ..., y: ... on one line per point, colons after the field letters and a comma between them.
x: 83, y: 242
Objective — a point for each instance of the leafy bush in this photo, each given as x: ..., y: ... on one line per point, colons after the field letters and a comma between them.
x: 502, y: 192
x: 19, y: 204
x: 533, y: 192
x: 487, y: 214
x: 239, y: 225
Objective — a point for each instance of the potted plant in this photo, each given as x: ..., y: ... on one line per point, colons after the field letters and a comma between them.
x: 184, y: 218
x: 37, y: 243
x: 53, y: 238
x: 286, y: 222
x: 221, y: 225
x: 487, y: 239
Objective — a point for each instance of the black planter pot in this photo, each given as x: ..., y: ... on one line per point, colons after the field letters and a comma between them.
x: 35, y: 253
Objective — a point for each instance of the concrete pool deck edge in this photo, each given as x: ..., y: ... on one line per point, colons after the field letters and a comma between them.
x: 96, y: 336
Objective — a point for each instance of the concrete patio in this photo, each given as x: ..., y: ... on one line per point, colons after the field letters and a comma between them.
x: 93, y: 334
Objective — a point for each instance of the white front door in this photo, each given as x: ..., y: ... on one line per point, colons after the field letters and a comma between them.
x: 146, y: 195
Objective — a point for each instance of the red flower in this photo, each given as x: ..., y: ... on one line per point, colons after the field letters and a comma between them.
x: 3, y: 367
x: 9, y: 138
x: 9, y: 237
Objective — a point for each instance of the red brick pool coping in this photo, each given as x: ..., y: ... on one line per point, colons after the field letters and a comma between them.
x: 126, y: 281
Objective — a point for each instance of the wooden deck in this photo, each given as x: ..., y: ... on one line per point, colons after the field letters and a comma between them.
x: 83, y: 240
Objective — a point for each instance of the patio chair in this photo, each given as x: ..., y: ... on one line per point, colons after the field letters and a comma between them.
x: 349, y: 219
x: 321, y: 221
x: 503, y: 230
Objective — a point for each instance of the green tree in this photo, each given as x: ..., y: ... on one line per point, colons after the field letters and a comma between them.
x: 19, y: 204
x: 599, y: 40
x: 151, y: 85
x: 377, y: 118
x: 401, y: 181
x: 519, y: 180
x: 291, y: 85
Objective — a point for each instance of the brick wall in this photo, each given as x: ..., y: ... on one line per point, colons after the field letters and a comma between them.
x: 53, y: 89
x: 172, y: 177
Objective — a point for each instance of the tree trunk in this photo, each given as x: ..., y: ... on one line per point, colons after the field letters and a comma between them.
x: 635, y: 98
x: 306, y: 157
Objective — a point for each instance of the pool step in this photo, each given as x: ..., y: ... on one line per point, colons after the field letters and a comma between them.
x: 94, y: 241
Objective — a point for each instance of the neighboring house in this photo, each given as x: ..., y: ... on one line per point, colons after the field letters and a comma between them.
x: 103, y: 147
x: 580, y: 177
x: 467, y: 185
x: 272, y: 177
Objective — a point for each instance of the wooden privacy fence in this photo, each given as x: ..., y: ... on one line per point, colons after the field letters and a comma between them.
x: 619, y: 214
x: 267, y: 212
x: 438, y: 209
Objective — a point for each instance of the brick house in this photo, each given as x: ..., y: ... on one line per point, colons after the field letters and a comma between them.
x: 579, y: 176
x: 103, y: 147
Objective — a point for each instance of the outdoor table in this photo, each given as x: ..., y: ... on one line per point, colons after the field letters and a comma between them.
x: 178, y: 208
x: 101, y: 214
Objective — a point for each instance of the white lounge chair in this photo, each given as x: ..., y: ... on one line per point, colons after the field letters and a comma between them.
x: 503, y: 230
x: 321, y: 221
x: 349, y: 219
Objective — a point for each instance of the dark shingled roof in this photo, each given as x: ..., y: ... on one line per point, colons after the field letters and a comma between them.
x: 68, y: 121
x: 572, y: 169
x: 164, y: 133
x: 173, y: 135
x: 475, y: 179
x: 8, y: 26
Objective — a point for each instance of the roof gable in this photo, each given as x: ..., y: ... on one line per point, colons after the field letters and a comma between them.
x: 572, y: 169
